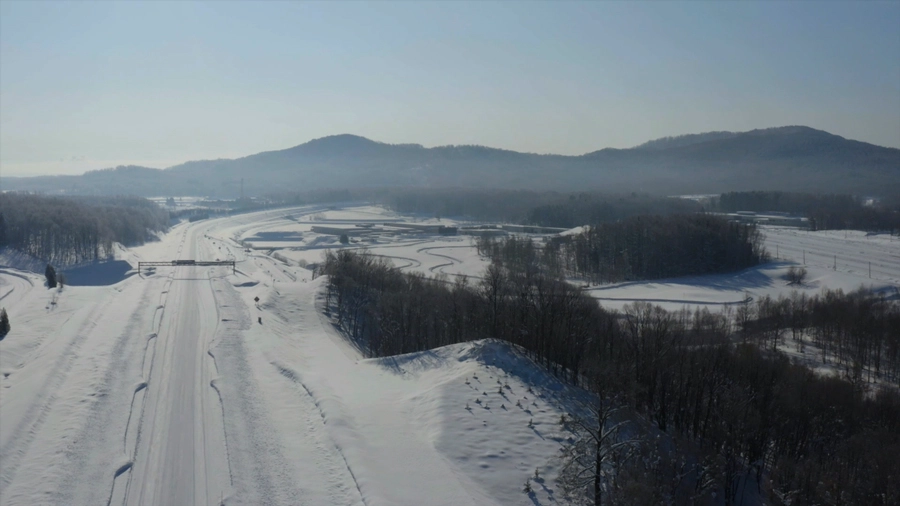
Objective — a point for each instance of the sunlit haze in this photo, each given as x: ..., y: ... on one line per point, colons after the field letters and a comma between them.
x: 92, y: 85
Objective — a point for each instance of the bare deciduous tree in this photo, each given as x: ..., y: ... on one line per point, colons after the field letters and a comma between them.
x: 594, y: 451
x: 796, y: 276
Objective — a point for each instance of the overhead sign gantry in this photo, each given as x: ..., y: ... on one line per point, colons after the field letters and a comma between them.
x: 187, y: 263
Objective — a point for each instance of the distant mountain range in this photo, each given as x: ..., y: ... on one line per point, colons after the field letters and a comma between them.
x: 793, y: 158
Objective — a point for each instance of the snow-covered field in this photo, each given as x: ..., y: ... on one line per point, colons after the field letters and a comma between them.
x: 175, y: 387
x: 293, y: 241
x: 833, y: 260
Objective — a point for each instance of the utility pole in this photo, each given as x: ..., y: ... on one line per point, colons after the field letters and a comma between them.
x: 804, y: 257
x: 835, y: 263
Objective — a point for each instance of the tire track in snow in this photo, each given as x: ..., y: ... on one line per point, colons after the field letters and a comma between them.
x: 146, y: 367
x: 213, y: 383
x: 104, y: 418
x: 122, y: 477
x: 215, y: 370
x: 117, y: 495
x: 242, y: 435
x: 262, y: 474
x: 17, y: 275
x: 413, y: 263
x: 17, y: 446
x: 215, y: 378
x: 295, y: 378
x: 131, y: 440
x: 452, y: 260
x: 16, y: 282
x: 176, y: 406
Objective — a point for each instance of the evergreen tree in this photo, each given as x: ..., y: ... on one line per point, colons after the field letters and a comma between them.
x: 4, y: 322
x: 50, y: 272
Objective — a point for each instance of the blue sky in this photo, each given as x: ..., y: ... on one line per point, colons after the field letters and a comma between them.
x: 91, y: 85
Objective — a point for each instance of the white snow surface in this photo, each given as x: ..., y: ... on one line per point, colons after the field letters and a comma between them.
x: 834, y: 259
x: 163, y: 388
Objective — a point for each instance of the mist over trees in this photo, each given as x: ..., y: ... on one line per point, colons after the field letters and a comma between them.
x: 526, y: 207
x: 568, y: 210
x: 651, y: 247
x: 549, y: 209
x: 641, y: 247
x: 825, y: 212
x: 680, y: 141
x: 585, y: 208
x: 66, y: 231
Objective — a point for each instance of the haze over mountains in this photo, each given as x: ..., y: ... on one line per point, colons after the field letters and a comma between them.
x: 794, y: 158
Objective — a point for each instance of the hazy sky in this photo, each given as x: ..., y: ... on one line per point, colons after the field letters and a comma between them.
x: 92, y: 85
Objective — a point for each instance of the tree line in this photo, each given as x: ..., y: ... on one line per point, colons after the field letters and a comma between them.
x: 640, y: 247
x: 66, y: 231
x: 736, y: 414
x: 825, y: 211
x: 858, y: 333
x: 548, y: 209
x: 526, y: 207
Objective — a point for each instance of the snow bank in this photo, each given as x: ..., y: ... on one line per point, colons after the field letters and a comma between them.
x: 401, y: 425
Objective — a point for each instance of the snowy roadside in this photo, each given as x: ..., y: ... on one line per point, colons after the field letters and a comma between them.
x: 437, y: 427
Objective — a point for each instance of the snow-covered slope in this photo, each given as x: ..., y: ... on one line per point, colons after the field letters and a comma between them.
x: 403, y: 420
x: 14, y: 259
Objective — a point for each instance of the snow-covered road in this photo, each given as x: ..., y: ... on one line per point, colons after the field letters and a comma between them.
x: 112, y: 401
x: 180, y: 457
x: 165, y: 389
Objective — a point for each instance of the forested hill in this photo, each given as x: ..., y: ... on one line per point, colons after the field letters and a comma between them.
x: 70, y: 231
x: 788, y: 159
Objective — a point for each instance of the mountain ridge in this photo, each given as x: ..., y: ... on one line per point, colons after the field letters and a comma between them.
x: 332, y: 141
x: 792, y: 158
